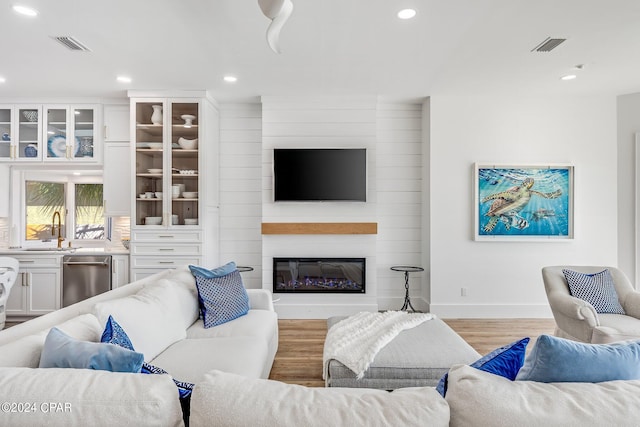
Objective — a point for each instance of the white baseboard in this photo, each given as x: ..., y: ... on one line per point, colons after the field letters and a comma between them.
x: 489, y: 311
x: 395, y: 303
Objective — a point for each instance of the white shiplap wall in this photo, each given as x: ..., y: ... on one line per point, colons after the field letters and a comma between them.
x: 322, y: 122
x: 399, y: 205
x: 241, y: 188
x: 392, y: 134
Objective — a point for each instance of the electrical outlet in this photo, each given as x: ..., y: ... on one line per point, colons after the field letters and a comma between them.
x: 463, y: 292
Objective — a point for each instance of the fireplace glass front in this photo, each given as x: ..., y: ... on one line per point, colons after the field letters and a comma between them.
x: 320, y: 275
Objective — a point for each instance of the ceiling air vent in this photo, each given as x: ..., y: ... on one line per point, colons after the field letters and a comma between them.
x: 548, y: 45
x: 71, y: 43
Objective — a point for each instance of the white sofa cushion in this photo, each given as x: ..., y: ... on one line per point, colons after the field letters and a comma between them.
x: 151, y: 318
x: 224, y: 399
x: 478, y: 398
x: 86, y: 397
x: 189, y: 360
x: 256, y: 323
x: 25, y: 352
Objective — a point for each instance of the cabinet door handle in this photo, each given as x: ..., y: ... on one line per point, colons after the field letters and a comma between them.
x: 166, y: 237
x: 105, y: 132
x: 165, y: 262
x: 165, y: 249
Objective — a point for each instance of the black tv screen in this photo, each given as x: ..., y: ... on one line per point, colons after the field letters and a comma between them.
x: 320, y: 174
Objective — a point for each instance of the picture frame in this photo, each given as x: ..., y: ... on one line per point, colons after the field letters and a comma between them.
x: 523, y: 202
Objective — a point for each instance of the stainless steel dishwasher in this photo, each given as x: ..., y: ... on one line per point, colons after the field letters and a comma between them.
x: 84, y: 276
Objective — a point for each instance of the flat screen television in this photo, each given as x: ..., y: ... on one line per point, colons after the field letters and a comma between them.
x: 320, y: 174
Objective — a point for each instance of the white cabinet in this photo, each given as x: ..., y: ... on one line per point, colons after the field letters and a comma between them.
x: 116, y: 179
x: 71, y: 133
x: 119, y: 270
x: 20, y: 133
x: 50, y: 133
x: 153, y: 251
x: 166, y: 141
x: 37, y: 289
x: 116, y: 123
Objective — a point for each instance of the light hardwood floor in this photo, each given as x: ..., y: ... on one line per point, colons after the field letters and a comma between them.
x: 299, y: 356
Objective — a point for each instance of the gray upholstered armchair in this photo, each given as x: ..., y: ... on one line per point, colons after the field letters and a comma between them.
x: 578, y: 320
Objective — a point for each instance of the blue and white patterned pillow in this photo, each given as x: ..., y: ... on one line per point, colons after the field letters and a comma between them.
x: 222, y: 299
x: 114, y: 334
x: 597, y: 289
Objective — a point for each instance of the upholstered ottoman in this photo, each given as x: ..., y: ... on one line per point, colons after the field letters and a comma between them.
x: 417, y: 357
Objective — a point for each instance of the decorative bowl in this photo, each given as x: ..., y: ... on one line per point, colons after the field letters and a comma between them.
x: 191, y: 221
x: 153, y: 220
x: 30, y: 115
x: 155, y: 145
x: 190, y: 194
x: 158, y: 194
x: 187, y: 172
x: 154, y: 170
x: 188, y: 144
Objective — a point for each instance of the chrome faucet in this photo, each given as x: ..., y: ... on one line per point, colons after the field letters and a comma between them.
x: 53, y: 228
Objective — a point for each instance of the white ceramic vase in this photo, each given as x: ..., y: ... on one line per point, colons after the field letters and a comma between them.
x: 156, y: 117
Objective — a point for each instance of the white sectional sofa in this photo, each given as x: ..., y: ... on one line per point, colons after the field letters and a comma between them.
x: 164, y: 307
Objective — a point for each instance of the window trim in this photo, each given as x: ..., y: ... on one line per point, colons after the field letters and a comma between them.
x: 18, y: 200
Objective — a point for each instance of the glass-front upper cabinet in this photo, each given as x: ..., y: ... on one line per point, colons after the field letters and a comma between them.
x: 6, y: 131
x: 70, y: 133
x: 166, y: 162
x: 27, y: 144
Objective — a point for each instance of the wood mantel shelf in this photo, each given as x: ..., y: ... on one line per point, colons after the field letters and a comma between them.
x: 319, y: 228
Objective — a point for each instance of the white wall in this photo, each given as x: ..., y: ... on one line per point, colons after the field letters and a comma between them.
x: 628, y: 124
x: 399, y: 152
x: 503, y: 278
x: 241, y: 188
x: 330, y: 122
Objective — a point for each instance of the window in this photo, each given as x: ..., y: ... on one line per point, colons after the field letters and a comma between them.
x: 78, y: 200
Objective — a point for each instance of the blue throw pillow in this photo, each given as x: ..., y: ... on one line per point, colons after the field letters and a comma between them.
x: 597, y: 289
x: 62, y: 351
x: 216, y: 272
x: 504, y: 361
x: 184, y: 388
x: 115, y: 334
x: 222, y: 298
x: 556, y: 359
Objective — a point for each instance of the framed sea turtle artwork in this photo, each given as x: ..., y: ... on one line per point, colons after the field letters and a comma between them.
x: 532, y: 202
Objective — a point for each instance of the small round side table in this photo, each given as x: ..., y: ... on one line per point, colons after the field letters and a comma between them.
x: 407, y: 269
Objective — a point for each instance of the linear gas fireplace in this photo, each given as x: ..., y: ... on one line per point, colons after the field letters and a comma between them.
x: 319, y: 275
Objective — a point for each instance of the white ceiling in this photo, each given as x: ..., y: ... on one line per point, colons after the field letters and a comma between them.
x: 329, y: 47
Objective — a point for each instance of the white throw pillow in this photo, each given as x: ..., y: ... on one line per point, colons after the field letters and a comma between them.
x: 224, y: 399
x: 148, y: 317
x: 478, y: 398
x: 185, y: 305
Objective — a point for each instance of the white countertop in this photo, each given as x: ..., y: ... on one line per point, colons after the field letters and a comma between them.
x: 66, y: 251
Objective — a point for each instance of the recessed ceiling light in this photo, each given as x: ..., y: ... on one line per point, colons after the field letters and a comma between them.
x: 25, y: 10
x: 124, y: 79
x: 568, y: 77
x: 230, y: 79
x: 2, y: 80
x: 407, y: 13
